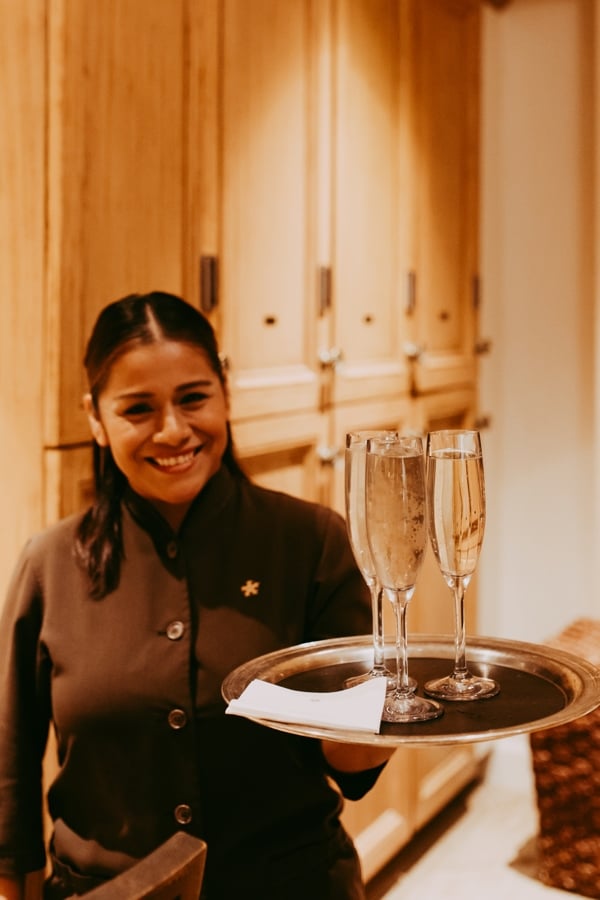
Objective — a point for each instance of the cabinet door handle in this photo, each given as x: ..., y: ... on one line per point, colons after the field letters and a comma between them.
x: 209, y: 283
x: 411, y: 293
x: 324, y: 289
x: 328, y: 455
x: 330, y: 357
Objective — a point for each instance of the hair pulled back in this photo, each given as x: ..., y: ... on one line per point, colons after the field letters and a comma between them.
x: 126, y: 323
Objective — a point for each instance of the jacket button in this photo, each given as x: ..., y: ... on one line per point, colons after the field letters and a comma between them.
x: 172, y: 549
x: 183, y: 813
x: 175, y: 630
x: 177, y: 718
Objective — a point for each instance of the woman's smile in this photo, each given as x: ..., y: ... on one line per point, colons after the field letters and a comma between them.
x: 164, y: 414
x: 174, y: 463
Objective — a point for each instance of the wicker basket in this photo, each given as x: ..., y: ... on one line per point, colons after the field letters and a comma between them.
x: 566, y: 766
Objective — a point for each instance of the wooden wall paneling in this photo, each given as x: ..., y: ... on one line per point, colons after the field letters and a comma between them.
x: 441, y: 773
x: 369, y: 325
x: 202, y: 162
x: 384, y: 820
x: 267, y: 257
x: 281, y: 453
x: 115, y: 176
x: 22, y: 237
x: 441, y: 50
x: 322, y: 19
x: 69, y: 482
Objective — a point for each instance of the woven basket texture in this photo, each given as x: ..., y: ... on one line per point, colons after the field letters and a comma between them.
x: 566, y: 767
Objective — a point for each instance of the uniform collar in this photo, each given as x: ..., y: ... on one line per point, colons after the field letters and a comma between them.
x: 211, y: 499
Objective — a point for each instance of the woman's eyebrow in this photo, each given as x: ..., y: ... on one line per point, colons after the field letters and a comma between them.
x: 202, y: 382
x: 133, y: 395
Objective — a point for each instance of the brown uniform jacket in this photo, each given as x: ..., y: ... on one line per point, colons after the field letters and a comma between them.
x: 132, y: 684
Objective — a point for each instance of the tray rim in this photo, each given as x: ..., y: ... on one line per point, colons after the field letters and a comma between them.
x: 578, y: 678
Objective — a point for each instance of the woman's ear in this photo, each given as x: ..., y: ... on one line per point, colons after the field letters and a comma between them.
x: 96, y: 426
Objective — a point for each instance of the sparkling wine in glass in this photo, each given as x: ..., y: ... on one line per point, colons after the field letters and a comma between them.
x: 456, y: 502
x: 397, y: 534
x: 355, y: 469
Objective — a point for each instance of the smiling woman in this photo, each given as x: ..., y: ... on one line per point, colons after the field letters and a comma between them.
x: 163, y: 413
x: 157, y: 408
x: 122, y: 622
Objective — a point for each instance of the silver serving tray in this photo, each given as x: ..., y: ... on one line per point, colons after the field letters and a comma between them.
x: 540, y: 687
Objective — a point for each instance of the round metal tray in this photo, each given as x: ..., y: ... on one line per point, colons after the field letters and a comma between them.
x: 540, y: 687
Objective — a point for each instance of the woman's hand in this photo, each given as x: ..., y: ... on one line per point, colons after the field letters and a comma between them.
x: 354, y: 757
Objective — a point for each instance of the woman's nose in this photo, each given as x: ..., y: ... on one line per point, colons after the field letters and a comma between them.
x: 172, y: 428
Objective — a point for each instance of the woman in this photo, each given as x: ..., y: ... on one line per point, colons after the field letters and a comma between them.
x: 121, y: 623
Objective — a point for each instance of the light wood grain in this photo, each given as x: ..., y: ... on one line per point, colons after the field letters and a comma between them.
x: 441, y: 131
x: 22, y: 236
x: 115, y: 176
x: 370, y: 326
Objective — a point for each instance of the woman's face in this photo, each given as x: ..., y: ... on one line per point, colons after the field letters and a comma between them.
x: 163, y: 413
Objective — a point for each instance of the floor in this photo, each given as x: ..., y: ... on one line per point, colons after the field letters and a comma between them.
x: 482, y: 845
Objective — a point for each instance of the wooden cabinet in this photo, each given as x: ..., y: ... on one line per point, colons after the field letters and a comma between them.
x: 440, y: 153
x: 114, y: 177
x: 22, y: 248
x: 257, y: 255
x: 368, y: 318
x: 306, y: 172
x: 267, y: 263
x: 307, y: 206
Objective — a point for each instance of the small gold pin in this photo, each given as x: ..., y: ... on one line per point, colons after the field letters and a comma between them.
x: 250, y: 588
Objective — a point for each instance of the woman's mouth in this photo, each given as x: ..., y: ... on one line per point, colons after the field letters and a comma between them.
x: 178, y: 461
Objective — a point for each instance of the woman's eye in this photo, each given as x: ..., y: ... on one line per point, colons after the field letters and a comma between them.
x: 193, y: 397
x: 137, y: 409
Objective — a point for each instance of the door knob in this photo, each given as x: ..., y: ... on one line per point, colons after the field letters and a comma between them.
x: 412, y: 350
x: 328, y: 454
x: 330, y: 357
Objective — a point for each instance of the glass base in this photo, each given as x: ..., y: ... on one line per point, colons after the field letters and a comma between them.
x: 463, y: 689
x: 407, y: 707
x: 353, y: 680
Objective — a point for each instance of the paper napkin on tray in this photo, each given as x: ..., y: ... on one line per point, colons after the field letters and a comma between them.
x: 357, y: 708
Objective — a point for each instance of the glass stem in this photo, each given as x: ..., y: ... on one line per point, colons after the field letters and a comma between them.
x: 460, y: 660
x: 378, y: 636
x: 399, y: 603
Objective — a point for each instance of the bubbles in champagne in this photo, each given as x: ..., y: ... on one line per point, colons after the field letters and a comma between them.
x: 457, y: 510
x: 396, y: 517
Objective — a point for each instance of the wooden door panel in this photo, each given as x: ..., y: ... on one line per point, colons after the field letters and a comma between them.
x: 268, y: 273
x: 440, y: 774
x: 69, y: 481
x: 441, y: 92
x: 22, y: 248
x: 383, y: 821
x: 115, y: 176
x: 368, y: 320
x: 282, y: 453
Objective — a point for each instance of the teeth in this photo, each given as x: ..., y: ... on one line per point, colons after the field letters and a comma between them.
x: 169, y: 461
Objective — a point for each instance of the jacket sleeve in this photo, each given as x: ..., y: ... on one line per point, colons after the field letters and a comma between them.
x: 24, y: 717
x: 355, y: 785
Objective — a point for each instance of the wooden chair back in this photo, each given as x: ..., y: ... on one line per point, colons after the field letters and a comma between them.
x: 174, y: 871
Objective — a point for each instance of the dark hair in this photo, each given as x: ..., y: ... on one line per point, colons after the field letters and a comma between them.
x: 123, y: 324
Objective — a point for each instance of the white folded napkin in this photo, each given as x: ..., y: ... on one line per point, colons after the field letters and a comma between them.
x: 357, y: 708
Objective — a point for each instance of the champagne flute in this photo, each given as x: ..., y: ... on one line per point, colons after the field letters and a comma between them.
x: 355, y: 464
x: 397, y: 533
x: 456, y: 500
